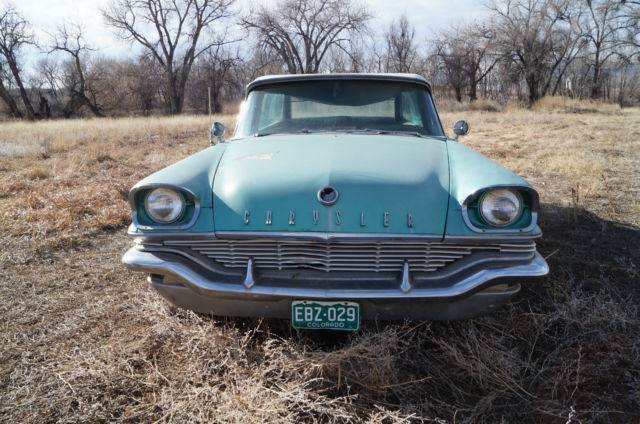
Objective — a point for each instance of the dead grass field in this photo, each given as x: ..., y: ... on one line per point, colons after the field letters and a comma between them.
x: 84, y: 340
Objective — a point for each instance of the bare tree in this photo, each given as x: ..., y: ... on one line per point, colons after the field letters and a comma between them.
x: 14, y: 34
x: 70, y: 40
x: 352, y: 59
x: 610, y: 28
x: 172, y: 32
x: 48, y: 76
x: 261, y: 62
x: 481, y: 55
x: 536, y: 35
x: 467, y: 55
x: 216, y: 70
x: 401, y: 51
x: 375, y: 55
x: 144, y: 81
x: 452, y: 58
x: 5, y: 95
x: 626, y: 84
x: 356, y: 53
x: 571, y: 46
x: 303, y: 32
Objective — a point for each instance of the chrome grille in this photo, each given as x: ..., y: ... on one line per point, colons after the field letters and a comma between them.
x: 367, y: 256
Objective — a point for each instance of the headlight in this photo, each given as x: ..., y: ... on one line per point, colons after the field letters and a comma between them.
x: 164, y: 205
x: 500, y: 207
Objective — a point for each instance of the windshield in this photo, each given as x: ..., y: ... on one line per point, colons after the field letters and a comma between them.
x: 339, y: 106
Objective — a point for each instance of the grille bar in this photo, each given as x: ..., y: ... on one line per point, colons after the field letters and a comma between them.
x: 334, y: 255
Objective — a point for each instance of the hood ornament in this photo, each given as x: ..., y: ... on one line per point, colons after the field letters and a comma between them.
x: 328, y: 195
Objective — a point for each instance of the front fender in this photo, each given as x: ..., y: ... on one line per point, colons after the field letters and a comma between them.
x: 194, y: 175
x: 470, y: 174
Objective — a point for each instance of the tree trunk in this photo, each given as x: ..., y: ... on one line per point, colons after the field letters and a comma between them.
x: 596, y: 90
x: 174, y: 105
x: 44, y: 108
x: 23, y: 93
x: 458, y: 93
x: 93, y: 107
x: 177, y: 84
x: 595, y: 83
x: 473, y: 91
x: 532, y: 86
x: 72, y: 106
x: 9, y: 101
x: 556, y: 87
x: 216, y: 103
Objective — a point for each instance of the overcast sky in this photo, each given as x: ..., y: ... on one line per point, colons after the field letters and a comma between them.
x: 426, y: 15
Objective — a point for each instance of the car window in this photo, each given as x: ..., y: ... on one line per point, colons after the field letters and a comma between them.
x: 339, y: 106
x: 409, y: 108
x: 272, y: 110
x: 308, y: 108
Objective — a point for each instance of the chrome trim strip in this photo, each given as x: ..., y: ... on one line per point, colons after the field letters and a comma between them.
x: 163, y: 235
x: 534, y: 210
x: 479, y: 238
x: 491, y: 237
x: 148, y: 262
x: 322, y: 235
x: 134, y: 213
x: 202, y: 261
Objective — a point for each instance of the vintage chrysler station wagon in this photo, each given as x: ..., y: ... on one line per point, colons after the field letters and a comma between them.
x: 339, y: 198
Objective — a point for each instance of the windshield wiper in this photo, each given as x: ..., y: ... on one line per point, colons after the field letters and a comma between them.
x: 386, y: 132
x: 410, y: 133
x: 352, y: 131
x: 303, y: 131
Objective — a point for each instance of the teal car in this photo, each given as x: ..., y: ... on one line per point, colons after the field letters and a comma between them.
x: 339, y: 198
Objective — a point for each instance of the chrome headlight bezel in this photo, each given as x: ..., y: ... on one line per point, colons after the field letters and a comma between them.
x: 176, y: 215
x: 506, y: 193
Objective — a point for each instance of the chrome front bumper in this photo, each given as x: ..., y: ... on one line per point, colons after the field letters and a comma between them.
x: 188, y: 285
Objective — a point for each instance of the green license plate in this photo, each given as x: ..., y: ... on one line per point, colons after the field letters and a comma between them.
x: 315, y: 315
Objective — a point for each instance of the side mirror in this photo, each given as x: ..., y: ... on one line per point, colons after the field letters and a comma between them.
x: 460, y: 128
x: 216, y: 131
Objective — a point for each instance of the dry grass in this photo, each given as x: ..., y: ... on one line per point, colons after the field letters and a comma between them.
x: 82, y: 339
x: 565, y: 104
x: 480, y: 105
x: 49, y: 166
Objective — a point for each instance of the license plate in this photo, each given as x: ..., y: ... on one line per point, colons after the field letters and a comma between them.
x: 310, y: 314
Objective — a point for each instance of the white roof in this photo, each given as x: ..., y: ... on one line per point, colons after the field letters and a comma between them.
x: 270, y: 79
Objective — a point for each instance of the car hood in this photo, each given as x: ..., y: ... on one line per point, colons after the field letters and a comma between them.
x: 386, y: 184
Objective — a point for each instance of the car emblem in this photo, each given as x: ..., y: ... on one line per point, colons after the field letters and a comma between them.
x: 328, y: 195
